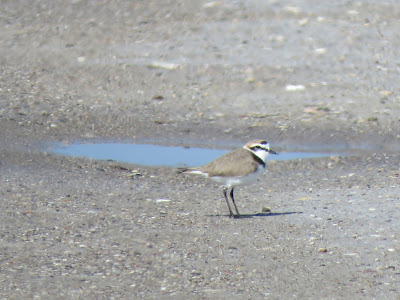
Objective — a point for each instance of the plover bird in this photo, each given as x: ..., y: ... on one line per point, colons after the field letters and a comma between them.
x: 240, y: 167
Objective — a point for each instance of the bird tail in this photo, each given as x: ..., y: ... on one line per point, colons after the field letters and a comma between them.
x: 182, y: 170
x: 188, y: 170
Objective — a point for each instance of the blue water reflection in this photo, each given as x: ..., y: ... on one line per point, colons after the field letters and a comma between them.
x: 156, y: 155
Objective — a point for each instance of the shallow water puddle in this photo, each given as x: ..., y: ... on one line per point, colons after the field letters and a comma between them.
x: 156, y: 155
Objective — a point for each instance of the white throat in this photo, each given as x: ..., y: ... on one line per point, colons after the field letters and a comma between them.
x: 261, y: 153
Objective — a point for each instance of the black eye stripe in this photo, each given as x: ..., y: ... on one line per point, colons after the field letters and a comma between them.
x: 258, y: 147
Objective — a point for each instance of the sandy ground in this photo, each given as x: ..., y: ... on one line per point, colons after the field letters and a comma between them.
x: 302, y: 74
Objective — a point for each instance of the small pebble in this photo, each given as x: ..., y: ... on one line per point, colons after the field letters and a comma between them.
x: 303, y: 22
x: 164, y: 65
x: 386, y: 93
x: 293, y: 9
x: 163, y: 200
x: 295, y: 88
x: 158, y: 97
x: 266, y: 209
x: 352, y: 12
x: 212, y: 4
x: 320, y: 51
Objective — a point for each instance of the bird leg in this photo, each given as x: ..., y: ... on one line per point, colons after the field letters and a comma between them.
x: 227, y: 202
x: 233, y: 200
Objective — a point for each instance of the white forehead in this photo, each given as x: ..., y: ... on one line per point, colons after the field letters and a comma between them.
x: 260, y: 149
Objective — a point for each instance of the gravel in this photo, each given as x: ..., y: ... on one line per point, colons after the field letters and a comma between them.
x: 303, y: 75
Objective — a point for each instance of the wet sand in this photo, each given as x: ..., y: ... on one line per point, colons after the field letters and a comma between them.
x: 302, y: 75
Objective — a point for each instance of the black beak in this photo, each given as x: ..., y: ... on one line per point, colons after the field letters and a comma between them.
x: 272, y: 151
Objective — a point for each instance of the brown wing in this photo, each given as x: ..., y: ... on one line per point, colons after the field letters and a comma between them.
x: 228, y: 166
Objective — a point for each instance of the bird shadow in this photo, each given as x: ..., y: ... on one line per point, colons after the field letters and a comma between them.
x: 262, y: 214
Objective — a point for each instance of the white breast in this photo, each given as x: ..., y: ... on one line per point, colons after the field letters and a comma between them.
x: 242, y: 180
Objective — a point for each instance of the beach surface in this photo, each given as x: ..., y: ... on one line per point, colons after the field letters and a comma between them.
x: 305, y: 75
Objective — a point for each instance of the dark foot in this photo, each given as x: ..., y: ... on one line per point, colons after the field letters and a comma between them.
x: 234, y: 216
